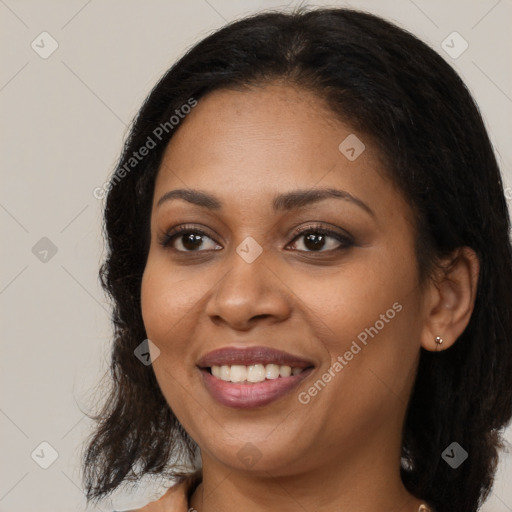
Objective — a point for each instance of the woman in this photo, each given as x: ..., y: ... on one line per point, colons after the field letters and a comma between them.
x: 309, y: 240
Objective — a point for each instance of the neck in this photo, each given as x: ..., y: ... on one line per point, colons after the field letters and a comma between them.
x: 363, y: 482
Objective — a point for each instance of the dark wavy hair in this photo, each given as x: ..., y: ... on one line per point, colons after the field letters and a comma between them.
x: 399, y: 92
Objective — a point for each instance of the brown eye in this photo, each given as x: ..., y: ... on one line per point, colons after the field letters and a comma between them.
x: 186, y: 240
x: 321, y: 240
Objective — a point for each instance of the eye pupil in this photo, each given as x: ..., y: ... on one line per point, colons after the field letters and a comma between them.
x: 192, y: 241
x: 320, y: 241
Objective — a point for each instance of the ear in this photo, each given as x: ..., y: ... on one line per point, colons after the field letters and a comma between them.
x: 450, y: 299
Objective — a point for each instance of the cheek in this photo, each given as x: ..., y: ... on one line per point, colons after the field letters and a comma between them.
x: 166, y: 304
x: 166, y: 299
x: 345, y: 303
x: 368, y: 313
x: 171, y: 302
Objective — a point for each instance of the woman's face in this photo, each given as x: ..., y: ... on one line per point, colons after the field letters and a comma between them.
x: 345, y: 307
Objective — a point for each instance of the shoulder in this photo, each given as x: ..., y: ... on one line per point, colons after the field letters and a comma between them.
x: 176, y: 498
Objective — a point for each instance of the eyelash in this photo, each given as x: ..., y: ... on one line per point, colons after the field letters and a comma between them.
x: 345, y: 242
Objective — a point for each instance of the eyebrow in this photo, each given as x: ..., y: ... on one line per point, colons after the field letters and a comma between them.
x: 282, y: 202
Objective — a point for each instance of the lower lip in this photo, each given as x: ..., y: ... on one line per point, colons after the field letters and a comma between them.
x: 233, y: 394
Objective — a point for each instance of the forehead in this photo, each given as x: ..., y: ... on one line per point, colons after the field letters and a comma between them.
x: 239, y: 124
x: 259, y: 141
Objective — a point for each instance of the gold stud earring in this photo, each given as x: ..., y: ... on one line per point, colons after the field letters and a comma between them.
x: 439, y: 341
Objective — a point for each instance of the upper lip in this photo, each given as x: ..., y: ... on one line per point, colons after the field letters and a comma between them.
x: 251, y: 355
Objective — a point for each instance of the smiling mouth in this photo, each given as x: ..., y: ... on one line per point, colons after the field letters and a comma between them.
x: 252, y: 374
x: 251, y: 386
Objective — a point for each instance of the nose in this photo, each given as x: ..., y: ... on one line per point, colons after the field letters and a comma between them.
x: 249, y: 293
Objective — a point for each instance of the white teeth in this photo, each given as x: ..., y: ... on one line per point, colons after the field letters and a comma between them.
x: 285, y: 371
x: 253, y: 373
x: 225, y: 372
x: 256, y: 373
x: 272, y: 371
x: 238, y: 373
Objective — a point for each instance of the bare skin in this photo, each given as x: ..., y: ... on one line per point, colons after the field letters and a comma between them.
x: 341, y: 449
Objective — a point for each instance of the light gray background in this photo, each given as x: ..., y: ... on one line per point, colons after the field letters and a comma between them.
x: 63, y: 123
